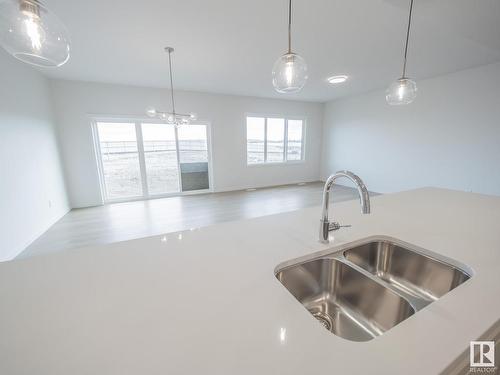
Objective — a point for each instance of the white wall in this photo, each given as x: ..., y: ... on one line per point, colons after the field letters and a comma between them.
x: 449, y: 137
x: 30, y: 169
x: 76, y: 101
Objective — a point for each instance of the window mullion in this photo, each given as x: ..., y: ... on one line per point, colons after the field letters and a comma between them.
x: 142, y: 159
x: 178, y: 154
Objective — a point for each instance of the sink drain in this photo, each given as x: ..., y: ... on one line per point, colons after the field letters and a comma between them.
x: 324, y: 320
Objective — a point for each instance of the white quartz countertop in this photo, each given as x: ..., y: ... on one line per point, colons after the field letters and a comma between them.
x: 206, y: 301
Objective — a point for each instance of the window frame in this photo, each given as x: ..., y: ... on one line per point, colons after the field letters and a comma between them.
x: 94, y: 119
x: 285, y: 143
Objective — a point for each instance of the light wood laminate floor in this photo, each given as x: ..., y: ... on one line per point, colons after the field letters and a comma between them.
x: 125, y: 221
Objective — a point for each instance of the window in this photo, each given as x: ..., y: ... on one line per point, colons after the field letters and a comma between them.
x: 140, y: 160
x: 274, y: 140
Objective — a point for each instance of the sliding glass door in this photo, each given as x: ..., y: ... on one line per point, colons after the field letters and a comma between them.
x: 145, y: 160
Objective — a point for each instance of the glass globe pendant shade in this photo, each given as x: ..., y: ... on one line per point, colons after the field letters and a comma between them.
x: 289, y: 73
x: 33, y: 34
x: 403, y: 91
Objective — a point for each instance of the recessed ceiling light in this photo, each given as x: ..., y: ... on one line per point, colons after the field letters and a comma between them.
x: 337, y: 79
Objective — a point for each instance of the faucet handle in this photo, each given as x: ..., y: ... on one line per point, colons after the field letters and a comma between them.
x: 336, y: 226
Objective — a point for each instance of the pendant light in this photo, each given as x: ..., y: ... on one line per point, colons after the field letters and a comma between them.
x: 32, y: 33
x: 404, y: 90
x: 290, y: 70
x: 173, y: 117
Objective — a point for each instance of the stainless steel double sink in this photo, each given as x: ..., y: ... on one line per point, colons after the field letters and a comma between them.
x: 360, y: 291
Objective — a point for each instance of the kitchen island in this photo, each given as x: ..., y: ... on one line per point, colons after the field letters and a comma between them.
x: 206, y: 301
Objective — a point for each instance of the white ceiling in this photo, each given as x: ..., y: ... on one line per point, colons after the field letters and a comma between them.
x: 229, y: 46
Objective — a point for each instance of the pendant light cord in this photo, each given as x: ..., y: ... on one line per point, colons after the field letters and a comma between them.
x: 407, y: 38
x: 290, y: 26
x: 171, y: 81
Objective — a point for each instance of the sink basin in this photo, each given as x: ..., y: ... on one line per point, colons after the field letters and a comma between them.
x: 343, y: 300
x: 360, y: 291
x: 412, y: 273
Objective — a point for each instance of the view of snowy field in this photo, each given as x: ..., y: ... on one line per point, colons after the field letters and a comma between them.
x: 272, y: 133
x: 122, y: 172
x: 121, y: 157
x: 255, y: 151
x: 154, y: 169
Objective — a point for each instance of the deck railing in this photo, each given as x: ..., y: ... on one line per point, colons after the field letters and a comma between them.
x: 126, y: 147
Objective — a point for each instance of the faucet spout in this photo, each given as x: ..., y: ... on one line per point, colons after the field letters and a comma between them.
x: 364, y: 198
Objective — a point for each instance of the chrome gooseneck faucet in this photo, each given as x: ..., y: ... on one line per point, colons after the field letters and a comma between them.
x: 364, y: 198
